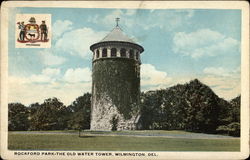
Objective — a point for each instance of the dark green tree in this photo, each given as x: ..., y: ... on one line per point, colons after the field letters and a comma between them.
x: 150, y: 104
x: 230, y: 118
x: 18, y: 116
x: 80, y: 110
x: 50, y: 115
x: 192, y: 107
x: 235, y: 110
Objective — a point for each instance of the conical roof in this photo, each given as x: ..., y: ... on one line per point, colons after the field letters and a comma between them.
x: 117, y: 35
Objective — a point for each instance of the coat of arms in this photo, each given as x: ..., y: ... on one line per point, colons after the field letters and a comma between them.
x: 32, y: 32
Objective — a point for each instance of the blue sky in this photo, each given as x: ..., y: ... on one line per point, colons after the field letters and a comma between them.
x: 180, y: 45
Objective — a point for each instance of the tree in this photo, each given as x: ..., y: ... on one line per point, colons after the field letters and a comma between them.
x: 230, y: 120
x: 49, y: 116
x: 80, y: 110
x: 192, y: 107
x: 235, y: 110
x: 18, y: 117
x: 150, y: 103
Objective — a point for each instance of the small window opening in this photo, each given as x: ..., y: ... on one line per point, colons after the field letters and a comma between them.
x: 113, y: 52
x: 97, y: 54
x: 104, y: 52
x: 123, y: 52
x: 131, y: 53
x: 137, y: 55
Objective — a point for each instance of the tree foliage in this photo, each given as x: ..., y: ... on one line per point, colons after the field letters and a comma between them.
x: 191, y: 107
x: 80, y: 110
x: 230, y: 124
x: 18, y: 117
x: 50, y: 115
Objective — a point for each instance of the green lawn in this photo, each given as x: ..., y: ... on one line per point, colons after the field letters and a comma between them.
x: 118, y: 143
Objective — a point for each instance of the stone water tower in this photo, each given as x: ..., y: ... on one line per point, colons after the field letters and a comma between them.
x: 115, y: 82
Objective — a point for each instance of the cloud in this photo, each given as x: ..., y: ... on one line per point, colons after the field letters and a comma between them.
x: 94, y: 18
x: 110, y: 18
x: 51, y: 75
x: 225, y: 87
x: 127, y: 18
x: 50, y: 59
x: 50, y: 83
x: 51, y: 71
x: 150, y: 76
x: 78, y: 41
x: 40, y: 79
x: 59, y: 27
x: 28, y: 93
x: 220, y: 71
x: 224, y: 82
x: 130, y: 12
x: 166, y: 20
x: 136, y: 18
x: 204, y: 42
x: 215, y: 71
x: 48, y: 75
x: 77, y: 75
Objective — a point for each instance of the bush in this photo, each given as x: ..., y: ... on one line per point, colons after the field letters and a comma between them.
x: 233, y: 129
x: 114, y: 123
x: 223, y: 129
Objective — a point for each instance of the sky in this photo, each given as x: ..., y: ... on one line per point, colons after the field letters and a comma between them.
x: 180, y: 45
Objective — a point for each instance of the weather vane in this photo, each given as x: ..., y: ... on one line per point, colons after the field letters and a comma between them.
x: 117, y: 20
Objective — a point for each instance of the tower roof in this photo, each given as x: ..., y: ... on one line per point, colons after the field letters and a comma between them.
x: 117, y: 35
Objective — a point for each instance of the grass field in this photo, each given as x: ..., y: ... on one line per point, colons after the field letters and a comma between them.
x: 118, y: 143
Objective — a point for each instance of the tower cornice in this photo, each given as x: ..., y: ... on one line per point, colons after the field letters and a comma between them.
x: 109, y: 43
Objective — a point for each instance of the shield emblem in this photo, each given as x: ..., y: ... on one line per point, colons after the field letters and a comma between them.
x: 32, y: 32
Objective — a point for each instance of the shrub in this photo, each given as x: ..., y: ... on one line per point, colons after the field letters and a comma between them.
x: 114, y: 123
x: 233, y: 129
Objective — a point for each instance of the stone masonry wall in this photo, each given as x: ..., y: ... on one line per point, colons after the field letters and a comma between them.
x: 115, y: 93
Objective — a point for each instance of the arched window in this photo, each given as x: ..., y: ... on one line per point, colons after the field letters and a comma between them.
x: 97, y: 54
x: 137, y: 55
x: 123, y: 52
x: 113, y: 52
x: 104, y: 52
x: 131, y: 53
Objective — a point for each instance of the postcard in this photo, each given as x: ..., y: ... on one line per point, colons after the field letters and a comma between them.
x: 124, y: 80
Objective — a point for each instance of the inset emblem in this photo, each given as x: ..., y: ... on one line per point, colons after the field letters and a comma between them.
x: 33, y: 31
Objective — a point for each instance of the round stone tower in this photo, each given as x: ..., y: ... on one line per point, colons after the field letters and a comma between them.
x: 115, y: 82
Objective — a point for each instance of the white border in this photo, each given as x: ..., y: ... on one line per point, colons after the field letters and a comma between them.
x: 244, y: 6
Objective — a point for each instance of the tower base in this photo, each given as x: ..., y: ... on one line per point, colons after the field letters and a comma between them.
x: 105, y: 117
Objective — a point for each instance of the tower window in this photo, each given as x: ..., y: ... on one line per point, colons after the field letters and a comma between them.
x: 131, y: 53
x: 123, y: 52
x: 113, y: 52
x: 97, y: 54
x: 104, y: 52
x: 137, y: 55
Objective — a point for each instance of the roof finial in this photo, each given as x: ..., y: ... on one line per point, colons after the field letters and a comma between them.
x: 117, y: 20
